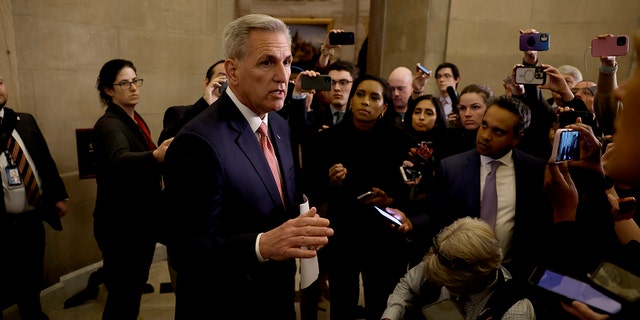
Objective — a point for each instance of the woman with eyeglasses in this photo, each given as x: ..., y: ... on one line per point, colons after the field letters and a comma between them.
x: 129, y: 187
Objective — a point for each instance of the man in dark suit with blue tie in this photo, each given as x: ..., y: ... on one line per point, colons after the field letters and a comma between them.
x: 522, y: 212
x: 237, y: 225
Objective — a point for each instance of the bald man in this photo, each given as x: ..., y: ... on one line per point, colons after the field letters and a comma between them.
x: 400, y: 81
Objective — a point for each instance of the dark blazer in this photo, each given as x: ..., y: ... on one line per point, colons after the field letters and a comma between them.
x: 219, y: 186
x: 177, y: 116
x: 53, y: 189
x: 460, y: 176
x: 128, y: 178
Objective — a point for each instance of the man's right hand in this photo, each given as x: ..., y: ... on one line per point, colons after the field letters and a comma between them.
x: 297, y: 238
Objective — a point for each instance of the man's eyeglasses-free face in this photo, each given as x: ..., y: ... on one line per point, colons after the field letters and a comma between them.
x: 126, y: 85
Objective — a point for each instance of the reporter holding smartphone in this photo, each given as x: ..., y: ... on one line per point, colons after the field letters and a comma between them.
x: 363, y: 153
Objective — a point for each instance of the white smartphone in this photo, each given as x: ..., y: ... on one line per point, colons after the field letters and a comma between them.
x: 573, y: 289
x: 445, y: 309
x: 389, y: 216
x: 365, y: 196
x: 566, y: 145
x: 618, y: 281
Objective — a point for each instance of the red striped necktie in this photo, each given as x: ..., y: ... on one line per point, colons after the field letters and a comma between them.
x: 270, y: 154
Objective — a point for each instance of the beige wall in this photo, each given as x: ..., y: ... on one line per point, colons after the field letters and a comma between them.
x: 481, y: 37
x: 54, y: 49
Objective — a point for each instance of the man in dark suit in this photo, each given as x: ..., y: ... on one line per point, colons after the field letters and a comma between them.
x: 523, y: 212
x: 177, y: 116
x: 33, y: 192
x: 237, y: 221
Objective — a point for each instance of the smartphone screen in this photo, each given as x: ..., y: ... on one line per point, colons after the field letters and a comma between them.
x: 566, y: 145
x: 574, y: 289
x: 618, y: 281
x: 389, y: 216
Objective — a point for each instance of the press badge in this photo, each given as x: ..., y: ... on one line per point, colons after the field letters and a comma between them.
x: 13, y: 174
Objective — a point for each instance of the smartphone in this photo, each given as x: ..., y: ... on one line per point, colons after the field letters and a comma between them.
x: 347, y: 38
x: 534, y: 41
x: 387, y: 215
x: 569, y: 117
x: 318, y: 83
x: 573, y: 289
x: 618, y: 281
x: 445, y: 309
x: 566, y: 145
x: 423, y: 69
x: 610, y: 46
x: 223, y: 86
x: 365, y: 196
x: 530, y: 75
x: 409, y: 174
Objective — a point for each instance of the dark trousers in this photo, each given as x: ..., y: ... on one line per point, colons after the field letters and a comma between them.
x: 22, y: 243
x: 127, y: 259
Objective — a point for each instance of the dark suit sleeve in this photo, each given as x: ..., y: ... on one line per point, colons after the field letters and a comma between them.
x: 53, y: 189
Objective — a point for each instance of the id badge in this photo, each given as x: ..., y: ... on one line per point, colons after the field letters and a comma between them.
x: 13, y: 176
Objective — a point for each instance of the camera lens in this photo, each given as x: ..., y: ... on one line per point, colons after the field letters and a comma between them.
x: 544, y: 37
x: 539, y: 75
x: 531, y: 41
x: 621, y: 41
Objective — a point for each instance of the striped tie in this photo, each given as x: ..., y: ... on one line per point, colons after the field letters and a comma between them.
x: 270, y: 154
x: 28, y: 178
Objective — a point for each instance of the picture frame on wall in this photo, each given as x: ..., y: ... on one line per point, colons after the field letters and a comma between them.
x: 307, y: 35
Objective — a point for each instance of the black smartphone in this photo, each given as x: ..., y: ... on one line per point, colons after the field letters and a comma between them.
x: 223, y: 86
x: 618, y: 281
x: 534, y: 41
x: 409, y: 174
x: 346, y: 38
x: 387, y: 215
x: 318, y: 83
x: 566, y: 145
x: 569, y: 117
x: 573, y: 289
x: 530, y: 75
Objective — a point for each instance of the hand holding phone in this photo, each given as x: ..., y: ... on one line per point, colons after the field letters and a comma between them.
x: 566, y: 145
x: 530, y: 75
x: 339, y: 38
x: 318, y: 83
x: 534, y: 41
x: 389, y: 217
x: 573, y: 289
x: 618, y: 281
x: 409, y: 174
x: 423, y: 69
x: 610, y: 46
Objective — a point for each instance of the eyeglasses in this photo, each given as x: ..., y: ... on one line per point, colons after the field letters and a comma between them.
x: 446, y: 75
x: 342, y: 83
x: 126, y: 85
x: 588, y: 91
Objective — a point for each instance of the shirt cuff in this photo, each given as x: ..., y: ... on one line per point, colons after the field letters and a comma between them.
x: 257, y: 248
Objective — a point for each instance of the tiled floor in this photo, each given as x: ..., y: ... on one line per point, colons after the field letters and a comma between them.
x: 154, y: 306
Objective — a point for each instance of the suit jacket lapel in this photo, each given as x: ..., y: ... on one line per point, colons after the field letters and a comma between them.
x: 248, y: 143
x: 471, y: 177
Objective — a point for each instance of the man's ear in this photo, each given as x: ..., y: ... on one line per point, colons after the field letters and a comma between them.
x: 231, y: 68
